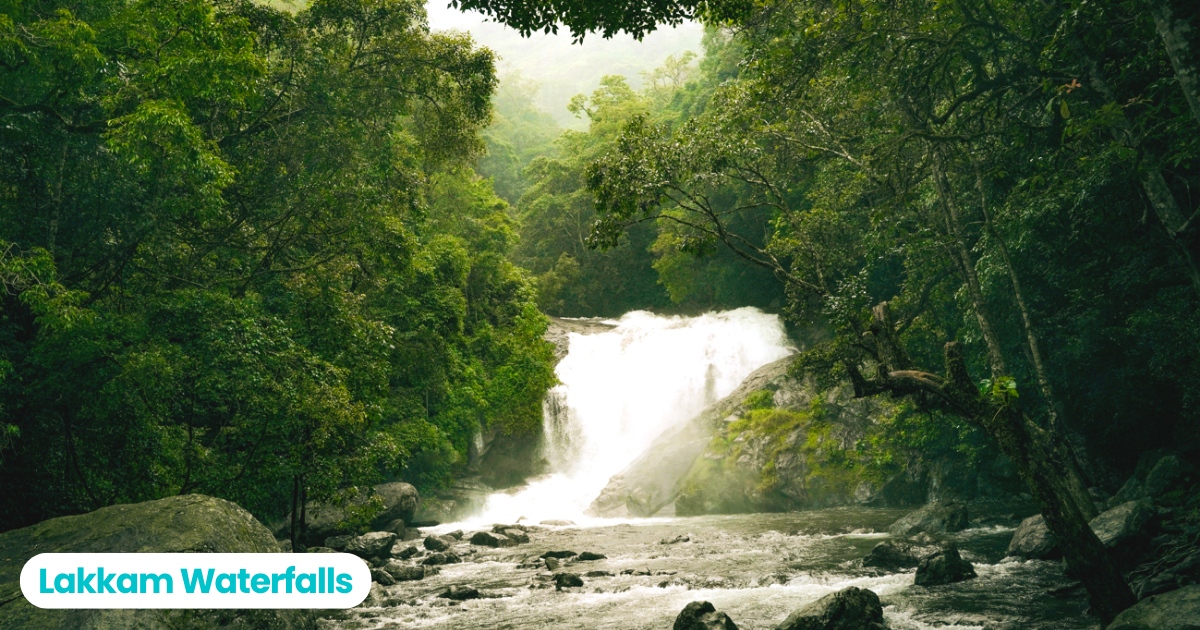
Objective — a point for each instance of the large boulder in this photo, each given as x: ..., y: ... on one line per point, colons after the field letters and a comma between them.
x: 1126, y: 531
x: 1033, y: 540
x: 463, y: 499
x: 702, y: 616
x: 488, y: 539
x: 191, y: 523
x: 935, y: 518
x: 1176, y: 610
x: 400, y: 501
x: 945, y: 566
x: 371, y: 545
x: 851, y: 608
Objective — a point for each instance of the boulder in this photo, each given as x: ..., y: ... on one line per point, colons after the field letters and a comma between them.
x: 190, y: 523
x: 552, y: 563
x: 945, y: 566
x: 382, y: 577
x: 1126, y: 531
x: 678, y: 539
x: 402, y: 550
x: 554, y: 522
x: 338, y: 543
x: 433, y: 543
x: 1034, y: 541
x: 567, y: 580
x: 1168, y: 474
x: 404, y: 572
x: 851, y: 608
x: 400, y: 501
x: 1176, y: 610
x: 559, y: 554
x: 396, y: 526
x: 371, y: 544
x: 441, y: 557
x: 460, y: 593
x: 321, y: 550
x: 588, y: 555
x: 456, y: 534
x: 516, y: 534
x: 945, y: 517
x: 897, y: 554
x: 702, y: 616
x: 489, y: 539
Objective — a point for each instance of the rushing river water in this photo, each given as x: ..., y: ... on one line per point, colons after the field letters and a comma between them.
x: 620, y: 390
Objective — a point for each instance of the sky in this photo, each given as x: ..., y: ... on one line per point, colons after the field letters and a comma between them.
x: 564, y: 69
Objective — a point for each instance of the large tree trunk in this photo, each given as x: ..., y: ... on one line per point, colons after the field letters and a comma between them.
x: 1042, y: 464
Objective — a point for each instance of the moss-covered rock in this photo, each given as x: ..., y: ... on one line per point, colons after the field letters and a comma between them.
x: 185, y: 524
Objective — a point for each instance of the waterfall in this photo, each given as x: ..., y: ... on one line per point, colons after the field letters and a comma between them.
x: 622, y: 388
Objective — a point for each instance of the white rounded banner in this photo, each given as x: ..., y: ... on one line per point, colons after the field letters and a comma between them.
x: 195, y: 580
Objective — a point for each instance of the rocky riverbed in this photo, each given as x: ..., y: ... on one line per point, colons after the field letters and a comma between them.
x: 757, y: 569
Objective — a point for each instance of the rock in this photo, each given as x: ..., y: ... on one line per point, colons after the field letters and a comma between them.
x: 851, y: 608
x: 489, y: 539
x: 460, y: 593
x: 1176, y: 610
x: 557, y: 523
x: 441, y: 557
x: 1033, y: 540
x: 677, y: 539
x: 500, y: 529
x: 587, y: 555
x: 382, y: 577
x: 433, y: 543
x: 559, y: 554
x: 338, y: 543
x: 1168, y: 474
x: 517, y: 535
x: 598, y: 574
x: 897, y: 554
x: 375, y: 598
x: 285, y: 546
x: 403, y: 551
x: 1126, y: 531
x: 945, y: 517
x: 702, y: 616
x: 191, y: 523
x: 567, y: 580
x: 456, y: 534
x: 396, y: 526
x: 552, y: 564
x: 400, y: 500
x: 404, y: 572
x: 945, y: 566
x: 371, y: 544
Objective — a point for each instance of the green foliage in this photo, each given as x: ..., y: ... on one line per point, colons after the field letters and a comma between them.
x: 762, y: 399
x: 249, y: 258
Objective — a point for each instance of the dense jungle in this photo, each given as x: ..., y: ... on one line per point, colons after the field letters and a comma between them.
x: 322, y: 261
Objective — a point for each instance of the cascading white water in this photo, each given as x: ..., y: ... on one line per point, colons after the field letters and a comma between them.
x: 621, y: 389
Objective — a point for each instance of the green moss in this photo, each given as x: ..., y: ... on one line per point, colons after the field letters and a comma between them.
x: 762, y: 399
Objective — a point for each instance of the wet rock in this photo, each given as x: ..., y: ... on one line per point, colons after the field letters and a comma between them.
x: 567, y: 580
x: 559, y: 554
x: 598, y: 574
x: 1126, y: 531
x: 371, y: 544
x: 949, y: 516
x: 1176, y: 610
x: 489, y: 539
x: 945, y: 566
x: 400, y: 500
x: 587, y: 555
x: 441, y: 557
x: 338, y: 542
x: 851, y: 608
x: 773, y: 578
x: 433, y: 543
x: 396, y: 526
x: 1169, y: 473
x: 552, y: 564
x: 382, y: 577
x: 897, y: 554
x: 320, y: 550
x: 499, y: 528
x: 456, y: 534
x: 517, y: 535
x: 677, y: 539
x: 405, y: 572
x: 557, y: 522
x: 411, y: 535
x: 403, y: 551
x: 702, y: 616
x: 1033, y: 540
x: 375, y: 598
x: 460, y: 593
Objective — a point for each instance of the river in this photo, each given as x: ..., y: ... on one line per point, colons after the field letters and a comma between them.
x: 619, y: 390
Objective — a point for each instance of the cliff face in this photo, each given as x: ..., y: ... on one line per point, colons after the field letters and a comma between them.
x: 777, y: 444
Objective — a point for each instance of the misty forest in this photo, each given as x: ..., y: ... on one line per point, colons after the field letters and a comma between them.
x: 793, y: 314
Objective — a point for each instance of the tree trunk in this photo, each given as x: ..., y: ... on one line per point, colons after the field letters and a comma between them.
x: 1180, y: 39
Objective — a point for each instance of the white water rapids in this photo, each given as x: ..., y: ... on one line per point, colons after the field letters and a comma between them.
x: 622, y: 388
